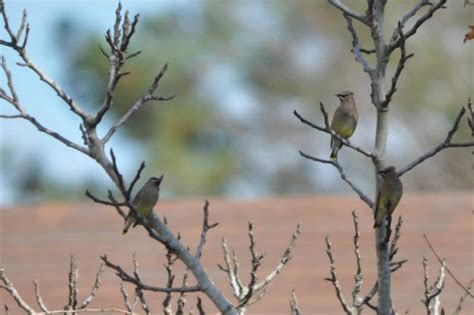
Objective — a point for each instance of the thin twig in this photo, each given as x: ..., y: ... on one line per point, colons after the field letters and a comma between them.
x: 200, y: 307
x: 356, y: 45
x: 256, y: 261
x: 433, y: 8
x: 409, y: 15
x: 433, y: 292
x: 328, y: 130
x: 333, y: 278
x: 104, y: 202
x: 358, y: 277
x: 125, y: 296
x: 8, y: 286
x: 134, y: 180
x: 462, y: 299
x: 443, y: 145
x: 205, y: 228
x: 39, y: 299
x: 14, y: 100
x: 343, y: 175
x: 285, y: 259
x: 139, y: 103
x: 295, y: 310
x: 394, y: 265
x: 470, y: 120
x: 447, y: 269
x: 72, y: 284
x: 122, y: 274
x: 170, y: 260
x: 350, y: 12
x: 231, y: 269
x: 143, y: 301
x: 401, y: 65
x: 95, y: 287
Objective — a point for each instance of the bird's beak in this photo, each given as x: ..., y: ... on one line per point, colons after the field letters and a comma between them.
x: 340, y: 96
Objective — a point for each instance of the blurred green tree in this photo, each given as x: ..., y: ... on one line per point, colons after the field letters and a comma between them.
x: 239, y: 68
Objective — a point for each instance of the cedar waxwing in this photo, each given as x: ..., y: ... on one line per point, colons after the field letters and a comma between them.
x: 344, y: 121
x: 388, y: 196
x: 144, y: 201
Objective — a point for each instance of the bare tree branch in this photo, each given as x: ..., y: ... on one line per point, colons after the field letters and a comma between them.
x: 39, y: 299
x: 470, y: 120
x: 231, y: 269
x: 205, y: 228
x: 356, y: 50
x: 328, y: 130
x: 396, y: 41
x: 394, y: 266
x: 358, y: 278
x: 200, y: 307
x: 463, y: 298
x: 14, y: 100
x: 254, y: 290
x: 441, y: 261
x: 95, y: 287
x: 295, y: 310
x: 72, y: 284
x: 8, y: 286
x: 433, y: 292
x: 20, y: 49
x: 134, y: 180
x: 447, y: 143
x: 143, y: 302
x: 408, y: 16
x: 401, y: 65
x: 348, y: 11
x: 126, y: 299
x: 116, y: 58
x: 334, y: 280
x: 138, y: 104
x: 126, y: 277
x: 182, y: 296
x: 256, y: 261
x: 336, y: 164
x: 170, y: 260
x: 285, y: 258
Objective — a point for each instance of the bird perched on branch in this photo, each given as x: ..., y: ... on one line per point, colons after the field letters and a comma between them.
x: 144, y: 201
x: 344, y: 121
x: 388, y: 196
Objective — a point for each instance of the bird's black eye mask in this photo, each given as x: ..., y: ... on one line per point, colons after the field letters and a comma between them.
x: 157, y: 180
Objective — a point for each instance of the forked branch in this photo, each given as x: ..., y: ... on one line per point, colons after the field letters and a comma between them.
x: 358, y: 301
x: 254, y: 291
x: 447, y: 143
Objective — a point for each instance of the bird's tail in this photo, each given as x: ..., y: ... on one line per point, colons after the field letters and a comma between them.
x: 336, y: 145
x: 128, y: 223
